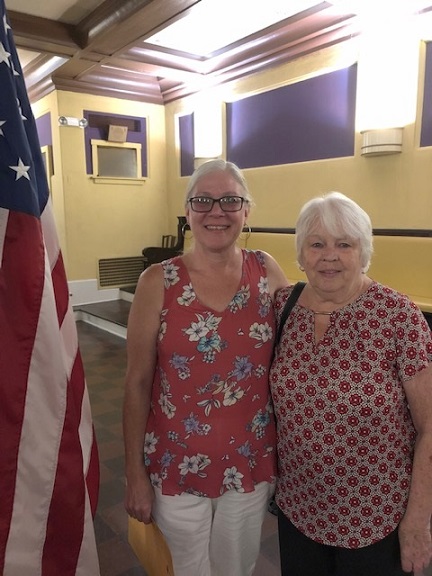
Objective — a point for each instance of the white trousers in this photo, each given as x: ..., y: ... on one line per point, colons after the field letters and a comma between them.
x: 213, y: 536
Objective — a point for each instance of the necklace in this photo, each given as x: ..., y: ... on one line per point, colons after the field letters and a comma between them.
x: 322, y: 313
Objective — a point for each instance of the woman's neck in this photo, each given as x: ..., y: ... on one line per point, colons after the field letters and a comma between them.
x: 200, y: 259
x: 323, y: 304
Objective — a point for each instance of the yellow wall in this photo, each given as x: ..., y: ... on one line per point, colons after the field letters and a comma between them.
x: 108, y: 220
x: 104, y: 220
x: 44, y: 106
x: 394, y: 190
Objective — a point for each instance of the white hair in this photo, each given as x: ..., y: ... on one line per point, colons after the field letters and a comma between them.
x: 338, y: 214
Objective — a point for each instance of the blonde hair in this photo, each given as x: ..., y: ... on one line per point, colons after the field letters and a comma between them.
x: 218, y: 165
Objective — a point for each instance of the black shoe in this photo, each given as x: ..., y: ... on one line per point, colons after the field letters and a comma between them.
x: 272, y: 507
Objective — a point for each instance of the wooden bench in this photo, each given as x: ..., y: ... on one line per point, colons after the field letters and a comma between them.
x: 401, y: 262
x: 402, y: 259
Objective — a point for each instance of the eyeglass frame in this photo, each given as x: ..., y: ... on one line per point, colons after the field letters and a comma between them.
x: 212, y: 202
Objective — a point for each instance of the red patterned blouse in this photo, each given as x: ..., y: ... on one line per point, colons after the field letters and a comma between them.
x: 345, y: 435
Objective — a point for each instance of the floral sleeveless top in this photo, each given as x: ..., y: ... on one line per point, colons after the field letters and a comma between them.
x: 211, y: 426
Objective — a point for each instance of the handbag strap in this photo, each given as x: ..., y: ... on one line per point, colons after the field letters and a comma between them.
x: 289, y: 304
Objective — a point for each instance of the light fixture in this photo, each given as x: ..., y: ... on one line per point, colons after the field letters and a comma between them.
x: 387, y: 75
x: 381, y: 141
x: 207, y: 119
x: 72, y: 121
x: 209, y: 16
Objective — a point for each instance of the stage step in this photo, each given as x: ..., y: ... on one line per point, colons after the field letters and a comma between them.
x: 111, y: 316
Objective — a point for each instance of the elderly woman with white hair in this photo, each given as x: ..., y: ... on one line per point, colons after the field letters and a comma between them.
x: 352, y: 390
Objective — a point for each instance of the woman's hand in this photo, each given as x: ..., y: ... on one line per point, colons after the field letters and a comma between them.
x: 415, y: 527
x: 139, y: 498
x: 415, y: 546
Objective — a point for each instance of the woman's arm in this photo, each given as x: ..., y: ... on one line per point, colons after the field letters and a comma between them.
x: 142, y: 334
x: 275, y: 274
x: 415, y: 526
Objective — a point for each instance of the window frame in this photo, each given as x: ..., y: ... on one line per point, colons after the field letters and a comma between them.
x: 46, y: 152
x: 96, y: 144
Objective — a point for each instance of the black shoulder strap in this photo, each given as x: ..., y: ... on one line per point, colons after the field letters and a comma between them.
x: 289, y: 304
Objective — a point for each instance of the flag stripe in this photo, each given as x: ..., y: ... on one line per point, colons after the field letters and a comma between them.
x: 41, y: 430
x: 48, y: 455
x: 63, y: 547
x: 19, y: 323
x: 88, y: 562
x: 76, y: 441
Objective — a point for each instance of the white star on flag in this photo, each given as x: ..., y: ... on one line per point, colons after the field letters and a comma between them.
x: 20, y: 109
x: 1, y: 124
x: 6, y: 24
x: 4, y: 56
x: 21, y: 170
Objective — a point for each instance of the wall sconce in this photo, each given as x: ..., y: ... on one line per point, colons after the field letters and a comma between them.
x: 387, y: 78
x: 381, y: 141
x: 71, y: 121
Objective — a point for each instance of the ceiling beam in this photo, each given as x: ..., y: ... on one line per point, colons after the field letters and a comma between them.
x: 115, y: 25
x: 42, y: 35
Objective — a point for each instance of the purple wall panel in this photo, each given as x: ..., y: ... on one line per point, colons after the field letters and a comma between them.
x: 101, y: 133
x: 186, y: 134
x: 426, y: 126
x: 309, y: 120
x: 43, y: 127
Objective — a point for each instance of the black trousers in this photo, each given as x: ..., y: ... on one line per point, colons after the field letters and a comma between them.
x: 301, y: 556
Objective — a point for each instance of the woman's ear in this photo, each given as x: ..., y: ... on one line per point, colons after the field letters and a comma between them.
x: 300, y: 263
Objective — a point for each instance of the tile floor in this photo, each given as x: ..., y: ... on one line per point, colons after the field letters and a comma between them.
x: 104, y: 358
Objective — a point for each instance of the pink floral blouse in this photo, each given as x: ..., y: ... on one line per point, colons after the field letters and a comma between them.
x: 345, y: 435
x: 211, y: 427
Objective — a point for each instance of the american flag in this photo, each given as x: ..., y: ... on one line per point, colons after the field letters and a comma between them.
x: 49, y: 470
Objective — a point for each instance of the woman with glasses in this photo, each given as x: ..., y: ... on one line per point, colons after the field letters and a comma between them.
x: 198, y: 422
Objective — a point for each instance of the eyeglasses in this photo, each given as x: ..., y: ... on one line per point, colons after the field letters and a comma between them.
x: 227, y: 203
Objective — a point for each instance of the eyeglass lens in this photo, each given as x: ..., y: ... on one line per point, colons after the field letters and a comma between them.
x: 227, y: 203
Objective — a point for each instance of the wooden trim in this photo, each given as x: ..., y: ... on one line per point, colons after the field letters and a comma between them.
x: 409, y: 233
x: 413, y: 233
x: 42, y: 35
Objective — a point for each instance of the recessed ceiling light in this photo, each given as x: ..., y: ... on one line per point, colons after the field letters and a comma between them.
x: 213, y: 24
